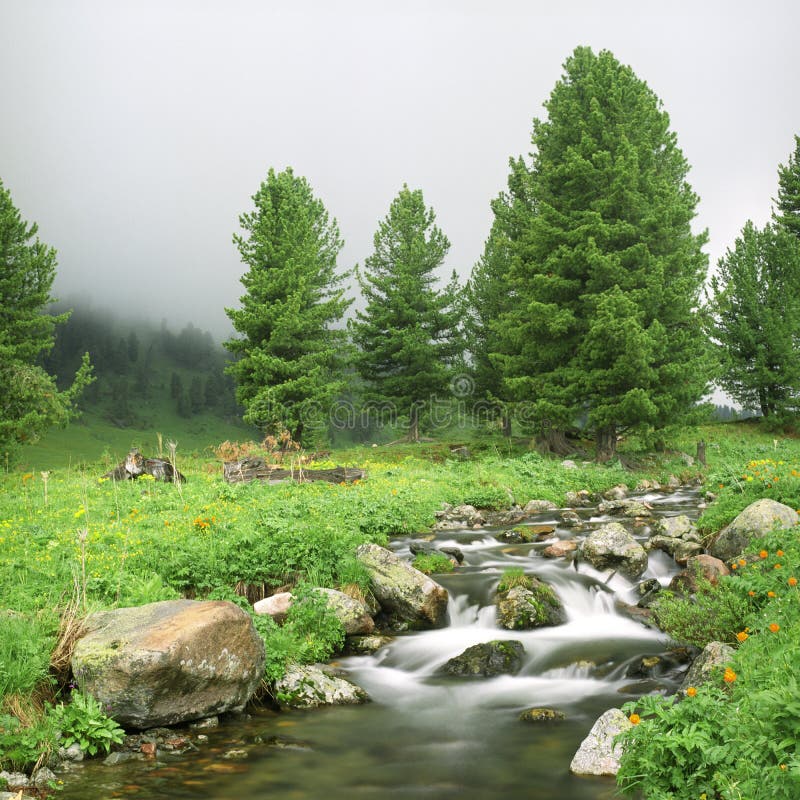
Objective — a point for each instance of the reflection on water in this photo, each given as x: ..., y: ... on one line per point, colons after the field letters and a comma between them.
x: 428, y: 736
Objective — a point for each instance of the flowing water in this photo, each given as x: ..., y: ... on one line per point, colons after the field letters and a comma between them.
x: 427, y: 736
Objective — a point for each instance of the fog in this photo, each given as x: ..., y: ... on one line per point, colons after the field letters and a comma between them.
x: 135, y: 132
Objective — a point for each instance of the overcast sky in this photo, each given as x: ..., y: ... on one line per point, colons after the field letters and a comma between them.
x: 135, y: 131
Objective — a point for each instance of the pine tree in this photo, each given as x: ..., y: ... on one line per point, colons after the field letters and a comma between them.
x: 607, y: 272
x: 288, y: 354
x: 490, y: 294
x: 30, y: 401
x: 754, y: 313
x: 788, y: 202
x: 408, y: 335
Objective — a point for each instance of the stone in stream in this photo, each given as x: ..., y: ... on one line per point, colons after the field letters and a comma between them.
x: 404, y: 593
x: 169, y: 662
x: 612, y: 547
x: 498, y: 657
x: 523, y: 608
x: 560, y: 549
x: 676, y: 536
x: 313, y: 685
x: 542, y: 715
x: 710, y: 568
x: 756, y: 520
x: 351, y: 613
x: 598, y: 755
x: 538, y: 506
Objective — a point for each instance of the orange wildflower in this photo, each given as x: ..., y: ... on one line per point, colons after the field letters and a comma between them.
x: 742, y: 562
x: 763, y: 554
x: 779, y: 553
x: 792, y: 581
x: 771, y: 594
x: 729, y: 676
x: 741, y: 636
x: 635, y: 719
x: 691, y: 691
x: 751, y: 593
x: 774, y: 627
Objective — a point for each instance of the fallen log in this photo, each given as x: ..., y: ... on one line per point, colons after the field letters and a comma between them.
x: 255, y: 468
x: 135, y: 465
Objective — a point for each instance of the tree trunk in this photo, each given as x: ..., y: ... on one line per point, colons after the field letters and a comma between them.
x: 606, y: 440
x: 553, y: 441
x: 413, y: 424
x: 701, y: 452
x: 505, y: 422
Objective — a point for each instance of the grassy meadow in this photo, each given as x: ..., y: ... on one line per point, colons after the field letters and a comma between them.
x: 72, y: 542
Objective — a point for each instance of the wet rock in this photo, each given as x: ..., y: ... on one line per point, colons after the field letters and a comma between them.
x: 43, y: 778
x: 542, y: 715
x: 463, y: 516
x: 648, y: 591
x: 645, y: 667
x: 580, y: 499
x: 538, y: 507
x: 571, y: 519
x: 756, y: 520
x: 365, y: 645
x: 598, y: 755
x: 523, y: 608
x: 205, y: 724
x: 16, y: 780
x: 643, y: 616
x: 678, y: 527
x: 560, y: 549
x: 619, y: 492
x: 626, y: 508
x: 169, y: 662
x: 453, y: 553
x: 510, y: 516
x: 426, y: 548
x: 712, y: 569
x: 276, y: 606
x: 612, y: 547
x: 487, y: 660
x: 313, y: 685
x: 118, y: 757
x: 708, y: 666
x: 235, y: 754
x: 351, y: 613
x: 404, y: 593
x: 673, y: 483
x: 647, y: 486
x: 71, y: 753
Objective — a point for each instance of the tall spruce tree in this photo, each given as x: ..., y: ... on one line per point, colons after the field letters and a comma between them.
x: 607, y: 273
x: 408, y: 334
x: 30, y: 401
x: 754, y: 316
x: 288, y: 354
x: 787, y: 213
x: 490, y: 295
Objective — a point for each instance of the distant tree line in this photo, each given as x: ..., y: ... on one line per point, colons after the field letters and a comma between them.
x: 589, y: 311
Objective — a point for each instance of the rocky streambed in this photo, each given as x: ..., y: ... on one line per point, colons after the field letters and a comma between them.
x: 481, y: 706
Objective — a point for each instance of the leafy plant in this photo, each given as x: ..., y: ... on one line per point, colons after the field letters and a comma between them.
x: 514, y: 576
x: 432, y: 562
x: 84, y: 722
x: 21, y: 747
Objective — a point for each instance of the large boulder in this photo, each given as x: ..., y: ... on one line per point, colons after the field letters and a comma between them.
x: 756, y: 520
x: 598, y: 755
x: 169, y: 662
x: 404, y: 593
x: 612, y: 547
x: 486, y: 660
x: 315, y: 685
x: 276, y: 606
x: 535, y: 606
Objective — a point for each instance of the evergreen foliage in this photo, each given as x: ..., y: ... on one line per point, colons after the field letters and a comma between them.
x: 408, y: 335
x: 490, y: 294
x: 606, y: 272
x: 754, y: 316
x: 30, y: 401
x: 788, y: 202
x: 288, y: 355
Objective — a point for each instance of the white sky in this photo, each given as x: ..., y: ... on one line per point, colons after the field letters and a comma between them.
x: 135, y: 131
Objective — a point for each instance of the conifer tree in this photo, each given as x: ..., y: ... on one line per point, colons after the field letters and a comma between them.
x: 30, y: 401
x: 408, y: 335
x: 788, y: 202
x: 288, y: 353
x: 754, y: 314
x: 607, y: 272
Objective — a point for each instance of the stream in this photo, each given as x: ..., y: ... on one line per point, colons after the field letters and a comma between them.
x: 427, y: 736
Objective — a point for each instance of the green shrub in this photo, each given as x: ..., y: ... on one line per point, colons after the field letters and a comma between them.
x: 430, y: 563
x: 21, y: 747
x: 83, y: 722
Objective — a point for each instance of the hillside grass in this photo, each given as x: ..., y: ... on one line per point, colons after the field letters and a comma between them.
x: 72, y: 542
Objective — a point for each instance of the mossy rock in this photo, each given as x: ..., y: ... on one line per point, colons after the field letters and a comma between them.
x: 486, y: 660
x: 523, y: 608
